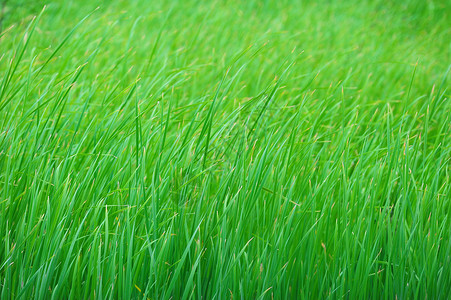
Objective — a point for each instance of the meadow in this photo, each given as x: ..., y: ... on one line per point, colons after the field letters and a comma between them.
x: 225, y: 149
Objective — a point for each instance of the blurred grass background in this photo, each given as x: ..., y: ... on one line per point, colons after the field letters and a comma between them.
x: 251, y: 149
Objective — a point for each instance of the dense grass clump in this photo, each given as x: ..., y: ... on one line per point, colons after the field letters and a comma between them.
x: 225, y: 149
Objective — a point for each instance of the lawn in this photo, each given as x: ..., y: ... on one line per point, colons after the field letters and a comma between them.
x: 225, y: 149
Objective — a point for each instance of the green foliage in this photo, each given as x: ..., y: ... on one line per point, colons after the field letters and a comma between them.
x: 226, y: 149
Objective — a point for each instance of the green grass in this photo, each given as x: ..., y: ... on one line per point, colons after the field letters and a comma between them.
x: 225, y: 150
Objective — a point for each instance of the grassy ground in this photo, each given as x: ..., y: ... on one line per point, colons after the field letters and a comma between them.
x: 225, y: 149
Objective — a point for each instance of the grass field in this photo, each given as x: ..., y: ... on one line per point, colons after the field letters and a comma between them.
x: 225, y: 149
